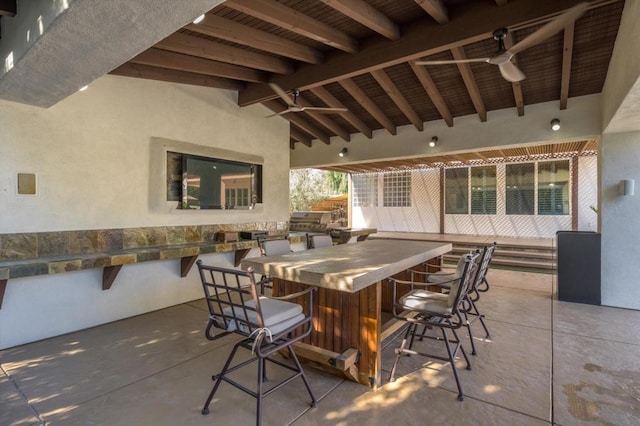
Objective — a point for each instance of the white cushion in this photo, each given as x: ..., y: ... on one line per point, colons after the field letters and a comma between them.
x: 427, y: 301
x: 276, y: 247
x: 277, y: 315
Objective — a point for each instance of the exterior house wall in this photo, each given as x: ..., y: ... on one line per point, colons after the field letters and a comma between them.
x: 424, y: 213
x: 93, y: 155
x: 620, y: 226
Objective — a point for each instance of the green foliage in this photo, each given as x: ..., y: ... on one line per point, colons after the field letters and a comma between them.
x: 338, y: 182
x: 308, y: 186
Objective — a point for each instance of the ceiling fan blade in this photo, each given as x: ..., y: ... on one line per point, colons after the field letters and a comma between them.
x: 323, y: 110
x: 281, y: 93
x: 551, y: 28
x: 279, y: 113
x: 452, y: 61
x: 511, y: 72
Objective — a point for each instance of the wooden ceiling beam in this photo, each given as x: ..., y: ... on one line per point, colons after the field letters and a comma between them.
x: 481, y: 156
x: 325, y: 120
x: 457, y: 157
x: 225, y: 29
x: 358, y: 94
x: 197, y: 46
x: 567, y: 55
x: 436, y: 9
x: 515, y: 86
x: 350, y: 117
x: 432, y: 91
x: 294, y: 21
x: 174, y: 76
x: 367, y: 15
x: 470, y: 83
x: 299, y: 136
x: 420, y: 38
x: 178, y: 61
x: 8, y: 8
x: 295, y: 118
x: 396, y: 96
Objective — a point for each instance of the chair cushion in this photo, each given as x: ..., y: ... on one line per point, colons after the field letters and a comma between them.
x: 427, y: 301
x: 439, y: 278
x: 277, y: 315
x: 276, y: 247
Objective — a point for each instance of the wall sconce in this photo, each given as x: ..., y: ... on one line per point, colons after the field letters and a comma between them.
x: 626, y: 186
x: 433, y: 142
x: 555, y: 124
x: 343, y: 152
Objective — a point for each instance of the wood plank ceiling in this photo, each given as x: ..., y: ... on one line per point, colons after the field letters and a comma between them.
x: 359, y: 55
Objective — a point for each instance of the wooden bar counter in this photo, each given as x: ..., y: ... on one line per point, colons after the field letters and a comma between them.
x: 347, y: 308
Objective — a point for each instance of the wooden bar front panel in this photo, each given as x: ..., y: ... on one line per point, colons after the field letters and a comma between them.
x: 345, y: 320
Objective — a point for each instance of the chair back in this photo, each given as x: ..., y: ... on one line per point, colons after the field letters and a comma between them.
x: 318, y: 241
x: 275, y: 247
x: 461, y: 286
x: 483, y: 265
x: 232, y: 299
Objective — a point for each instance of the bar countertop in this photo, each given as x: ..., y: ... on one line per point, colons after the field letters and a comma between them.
x: 348, y: 267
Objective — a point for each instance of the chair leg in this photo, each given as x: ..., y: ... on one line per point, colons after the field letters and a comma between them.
x: 468, y: 326
x: 293, y: 355
x: 459, y: 346
x: 452, y: 361
x: 218, y: 379
x: 400, y: 350
x: 481, y: 318
x: 259, y: 392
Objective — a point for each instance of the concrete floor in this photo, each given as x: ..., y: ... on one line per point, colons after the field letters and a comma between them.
x: 547, y: 362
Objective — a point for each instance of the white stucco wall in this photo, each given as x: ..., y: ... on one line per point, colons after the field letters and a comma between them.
x: 619, y: 220
x: 91, y: 154
x: 621, y: 90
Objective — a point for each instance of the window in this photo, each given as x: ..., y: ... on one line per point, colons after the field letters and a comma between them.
x: 211, y: 183
x: 396, y: 188
x: 457, y: 191
x: 483, y: 190
x: 365, y: 190
x: 553, y: 188
x: 520, y: 180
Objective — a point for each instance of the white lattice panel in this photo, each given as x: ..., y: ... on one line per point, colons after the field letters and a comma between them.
x: 424, y: 213
x: 587, y: 193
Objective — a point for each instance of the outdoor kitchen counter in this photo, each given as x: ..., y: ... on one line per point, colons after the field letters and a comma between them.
x: 348, y: 267
x: 347, y: 308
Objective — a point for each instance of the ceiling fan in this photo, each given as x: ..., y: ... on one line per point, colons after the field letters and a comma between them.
x: 294, y: 107
x: 508, y: 69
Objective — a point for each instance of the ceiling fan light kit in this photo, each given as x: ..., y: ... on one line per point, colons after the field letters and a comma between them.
x: 508, y: 69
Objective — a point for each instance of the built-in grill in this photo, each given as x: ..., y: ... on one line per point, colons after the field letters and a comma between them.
x: 319, y: 222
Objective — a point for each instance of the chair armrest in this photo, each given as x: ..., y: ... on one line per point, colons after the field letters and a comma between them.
x: 294, y: 295
x: 413, y: 271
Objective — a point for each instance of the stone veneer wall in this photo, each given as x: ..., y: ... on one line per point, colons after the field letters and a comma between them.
x: 21, y: 246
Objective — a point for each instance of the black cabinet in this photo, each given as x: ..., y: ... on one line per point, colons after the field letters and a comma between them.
x: 579, y: 267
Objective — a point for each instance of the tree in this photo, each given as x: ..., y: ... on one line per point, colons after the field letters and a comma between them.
x: 308, y: 186
x: 338, y: 182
